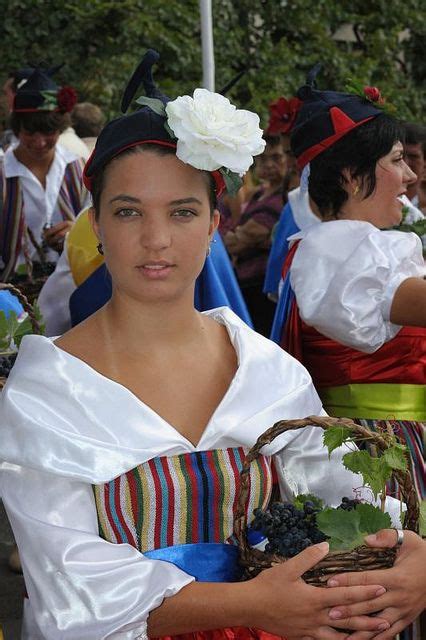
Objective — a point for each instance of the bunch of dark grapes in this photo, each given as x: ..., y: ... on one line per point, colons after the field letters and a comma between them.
x: 289, y: 530
x: 6, y: 363
x: 347, y: 504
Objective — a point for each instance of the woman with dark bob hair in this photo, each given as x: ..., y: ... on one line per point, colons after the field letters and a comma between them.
x: 43, y: 180
x: 353, y: 300
x: 123, y: 459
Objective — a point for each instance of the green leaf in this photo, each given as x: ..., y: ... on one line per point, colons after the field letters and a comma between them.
x: 233, y: 182
x: 300, y: 500
x: 372, y: 518
x: 347, y: 529
x: 422, y: 518
x: 396, y: 457
x: 169, y: 130
x: 342, y: 527
x: 23, y: 329
x: 154, y: 104
x: 334, y: 437
x: 375, y: 471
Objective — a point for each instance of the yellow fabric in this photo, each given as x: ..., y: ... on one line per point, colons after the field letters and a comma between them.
x: 83, y: 256
x: 376, y: 401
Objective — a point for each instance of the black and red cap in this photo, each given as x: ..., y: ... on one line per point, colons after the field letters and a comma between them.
x: 326, y: 116
x: 141, y: 127
x: 40, y: 93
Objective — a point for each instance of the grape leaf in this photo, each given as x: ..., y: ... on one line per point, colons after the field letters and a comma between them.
x: 335, y: 437
x: 342, y: 527
x: 347, y: 529
x: 300, y: 500
x: 422, y: 518
x: 372, y: 518
x: 155, y: 104
x: 375, y: 471
x: 395, y: 457
x: 4, y: 332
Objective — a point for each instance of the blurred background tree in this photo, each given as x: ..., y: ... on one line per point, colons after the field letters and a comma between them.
x: 274, y: 42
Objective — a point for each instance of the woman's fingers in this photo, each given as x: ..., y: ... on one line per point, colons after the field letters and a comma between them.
x: 297, y: 566
x: 345, y: 596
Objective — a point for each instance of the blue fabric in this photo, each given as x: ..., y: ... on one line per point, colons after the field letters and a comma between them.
x: 216, y: 286
x: 282, y: 311
x: 286, y: 226
x: 206, y: 561
x: 9, y: 302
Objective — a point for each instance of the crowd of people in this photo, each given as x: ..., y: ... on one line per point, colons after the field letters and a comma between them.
x: 204, y: 279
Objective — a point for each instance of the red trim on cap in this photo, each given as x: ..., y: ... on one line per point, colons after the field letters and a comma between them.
x: 220, y: 182
x: 217, y: 176
x: 314, y: 151
x: 33, y: 110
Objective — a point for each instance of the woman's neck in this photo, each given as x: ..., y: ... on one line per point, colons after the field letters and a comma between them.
x: 38, y: 166
x: 137, y: 326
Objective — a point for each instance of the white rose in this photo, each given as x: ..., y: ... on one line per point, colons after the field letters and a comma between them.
x: 212, y: 133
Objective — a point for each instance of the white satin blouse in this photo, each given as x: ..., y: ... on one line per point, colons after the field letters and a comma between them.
x: 65, y: 427
x: 345, y: 274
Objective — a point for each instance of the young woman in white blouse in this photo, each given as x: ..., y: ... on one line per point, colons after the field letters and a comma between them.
x: 123, y: 457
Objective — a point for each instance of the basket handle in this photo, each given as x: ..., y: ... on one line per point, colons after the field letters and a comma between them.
x: 324, y: 422
x: 27, y: 306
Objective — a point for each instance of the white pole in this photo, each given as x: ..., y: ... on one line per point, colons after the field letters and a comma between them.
x: 207, y: 44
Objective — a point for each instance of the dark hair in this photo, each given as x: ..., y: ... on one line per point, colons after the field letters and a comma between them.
x: 87, y: 119
x: 273, y: 140
x: 39, y: 122
x: 97, y: 180
x: 415, y: 134
x: 358, y: 152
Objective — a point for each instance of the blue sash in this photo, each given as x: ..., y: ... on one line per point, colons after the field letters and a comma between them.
x: 206, y: 561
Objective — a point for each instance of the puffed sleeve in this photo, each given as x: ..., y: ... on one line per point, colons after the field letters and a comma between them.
x: 345, y: 274
x: 80, y: 586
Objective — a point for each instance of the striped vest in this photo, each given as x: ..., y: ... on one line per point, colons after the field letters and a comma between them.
x: 13, y: 234
x: 187, y: 498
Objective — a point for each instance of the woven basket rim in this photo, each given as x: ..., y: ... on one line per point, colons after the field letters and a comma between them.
x: 28, y: 307
x: 263, y: 559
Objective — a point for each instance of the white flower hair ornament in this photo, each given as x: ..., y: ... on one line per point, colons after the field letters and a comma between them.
x: 212, y: 134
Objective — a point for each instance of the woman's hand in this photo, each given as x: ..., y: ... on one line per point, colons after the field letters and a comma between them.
x: 282, y: 603
x: 405, y: 584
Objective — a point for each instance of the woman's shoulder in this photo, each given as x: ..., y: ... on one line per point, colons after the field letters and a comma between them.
x: 335, y: 242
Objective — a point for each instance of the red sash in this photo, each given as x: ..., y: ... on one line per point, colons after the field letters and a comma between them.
x: 400, y: 360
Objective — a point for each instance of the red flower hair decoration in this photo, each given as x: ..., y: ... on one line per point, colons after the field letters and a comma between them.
x: 283, y: 115
x: 66, y: 99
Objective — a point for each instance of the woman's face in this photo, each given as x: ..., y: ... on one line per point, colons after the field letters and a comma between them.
x: 271, y: 165
x: 38, y: 145
x: 155, y: 225
x: 383, y: 207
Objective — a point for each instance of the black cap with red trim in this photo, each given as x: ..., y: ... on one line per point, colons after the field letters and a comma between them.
x: 324, y: 117
x: 40, y: 93
x: 143, y: 126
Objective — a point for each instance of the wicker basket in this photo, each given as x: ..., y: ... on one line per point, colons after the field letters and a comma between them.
x: 360, y: 559
x: 27, y: 307
x: 31, y: 285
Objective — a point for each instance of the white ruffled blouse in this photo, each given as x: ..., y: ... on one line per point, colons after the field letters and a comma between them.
x: 65, y: 427
x: 345, y: 274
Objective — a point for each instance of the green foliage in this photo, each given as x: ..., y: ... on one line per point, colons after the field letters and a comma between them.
x: 300, y: 500
x: 422, y: 519
x: 275, y: 43
x: 334, y: 437
x: 12, y: 331
x: 375, y: 471
x: 347, y: 529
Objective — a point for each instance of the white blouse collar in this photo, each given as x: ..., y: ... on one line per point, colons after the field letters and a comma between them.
x: 60, y: 415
